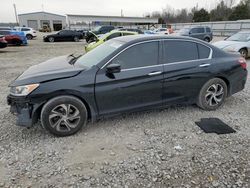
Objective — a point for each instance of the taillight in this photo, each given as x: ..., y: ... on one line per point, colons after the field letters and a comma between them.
x: 242, y: 61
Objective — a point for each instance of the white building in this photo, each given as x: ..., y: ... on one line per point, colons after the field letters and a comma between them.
x: 37, y: 20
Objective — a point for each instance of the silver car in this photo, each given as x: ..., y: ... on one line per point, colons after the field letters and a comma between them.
x: 239, y: 42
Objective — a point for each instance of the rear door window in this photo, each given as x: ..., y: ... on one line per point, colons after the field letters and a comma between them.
x: 204, y: 51
x: 25, y: 29
x: 178, y: 51
x: 198, y: 30
x: 208, y: 30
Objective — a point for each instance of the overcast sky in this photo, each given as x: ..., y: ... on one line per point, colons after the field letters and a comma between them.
x: 95, y: 7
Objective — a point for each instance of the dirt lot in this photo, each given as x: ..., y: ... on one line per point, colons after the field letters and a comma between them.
x: 162, y: 148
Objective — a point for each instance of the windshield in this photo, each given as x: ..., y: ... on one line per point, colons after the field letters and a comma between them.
x: 96, y: 55
x: 184, y: 31
x: 97, y: 28
x: 104, y: 36
x: 242, y: 37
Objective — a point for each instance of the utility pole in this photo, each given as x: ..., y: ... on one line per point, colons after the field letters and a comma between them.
x: 121, y: 13
x: 14, y: 5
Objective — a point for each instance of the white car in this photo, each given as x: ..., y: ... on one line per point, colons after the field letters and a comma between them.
x: 29, y: 32
x: 161, y: 31
x: 239, y: 42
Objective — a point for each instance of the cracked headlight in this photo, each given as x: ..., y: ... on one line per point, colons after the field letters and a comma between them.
x: 23, y: 90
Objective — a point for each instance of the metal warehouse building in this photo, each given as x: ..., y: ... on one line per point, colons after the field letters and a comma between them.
x: 75, y: 21
x: 38, y: 20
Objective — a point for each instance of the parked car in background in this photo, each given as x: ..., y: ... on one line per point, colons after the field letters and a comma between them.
x: 63, y: 35
x: 162, y: 31
x: 5, y: 28
x: 131, y: 29
x: 83, y: 32
x: 149, y: 32
x: 14, y: 37
x: 200, y: 32
x: 106, y: 37
x: 91, y: 36
x: 3, y: 42
x: 122, y: 75
x: 239, y: 42
x: 29, y: 32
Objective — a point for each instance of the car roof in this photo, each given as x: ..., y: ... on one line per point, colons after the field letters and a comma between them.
x: 247, y: 31
x: 119, y: 31
x: 141, y: 38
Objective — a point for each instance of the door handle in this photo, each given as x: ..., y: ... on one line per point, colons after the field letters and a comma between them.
x: 154, y: 73
x: 205, y: 65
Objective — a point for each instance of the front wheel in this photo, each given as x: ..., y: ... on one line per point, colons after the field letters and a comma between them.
x: 207, y: 39
x: 64, y: 115
x: 51, y: 39
x: 213, y: 94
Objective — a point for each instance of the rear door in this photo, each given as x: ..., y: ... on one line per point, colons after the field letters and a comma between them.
x: 138, y: 85
x: 186, y: 68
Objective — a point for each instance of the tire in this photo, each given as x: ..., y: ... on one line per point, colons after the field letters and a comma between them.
x: 18, y: 43
x: 76, y: 39
x: 51, y: 39
x: 64, y: 115
x: 207, y: 39
x: 29, y: 36
x: 244, y: 53
x: 212, y: 95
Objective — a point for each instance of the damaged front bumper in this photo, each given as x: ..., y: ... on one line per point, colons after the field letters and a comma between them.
x: 24, y: 109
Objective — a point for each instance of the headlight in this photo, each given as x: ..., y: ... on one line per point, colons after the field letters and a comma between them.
x: 23, y: 90
x: 230, y: 49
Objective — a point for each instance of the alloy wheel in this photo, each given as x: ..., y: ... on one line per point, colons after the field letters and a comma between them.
x: 51, y: 39
x: 214, y: 94
x: 64, y: 117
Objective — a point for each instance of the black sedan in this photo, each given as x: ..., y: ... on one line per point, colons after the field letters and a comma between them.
x: 63, y: 35
x: 122, y: 75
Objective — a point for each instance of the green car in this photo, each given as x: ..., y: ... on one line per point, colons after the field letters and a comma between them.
x: 107, y: 36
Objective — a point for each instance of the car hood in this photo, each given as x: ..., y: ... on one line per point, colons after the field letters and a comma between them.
x: 56, y: 68
x: 233, y: 44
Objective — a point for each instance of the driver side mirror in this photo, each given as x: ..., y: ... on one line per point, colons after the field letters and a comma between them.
x: 113, y: 68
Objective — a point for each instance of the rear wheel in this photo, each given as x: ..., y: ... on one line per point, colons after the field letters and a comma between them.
x: 213, y: 94
x: 76, y: 39
x: 64, y: 115
x: 18, y: 43
x: 244, y: 53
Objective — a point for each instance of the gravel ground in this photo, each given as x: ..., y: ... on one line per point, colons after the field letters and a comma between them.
x: 161, y: 148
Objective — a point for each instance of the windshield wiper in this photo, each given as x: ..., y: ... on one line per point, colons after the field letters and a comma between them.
x: 73, y: 59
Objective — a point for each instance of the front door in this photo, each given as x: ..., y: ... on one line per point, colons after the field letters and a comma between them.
x: 138, y: 85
